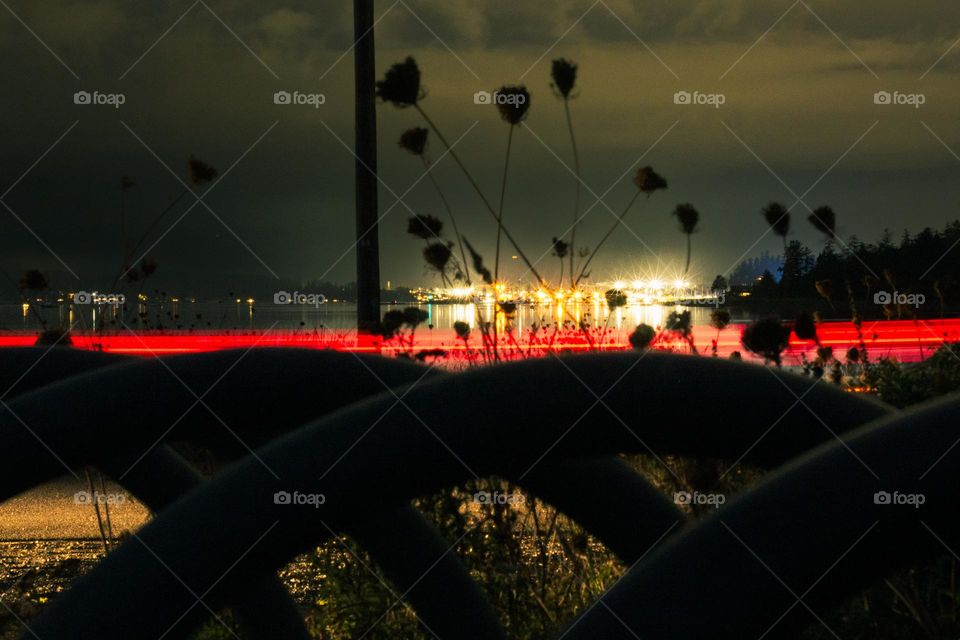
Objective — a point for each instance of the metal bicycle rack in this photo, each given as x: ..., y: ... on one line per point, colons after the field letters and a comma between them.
x: 370, y: 434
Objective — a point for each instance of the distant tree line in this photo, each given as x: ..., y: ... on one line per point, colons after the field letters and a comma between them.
x: 331, y: 290
x: 748, y: 271
x: 845, y: 274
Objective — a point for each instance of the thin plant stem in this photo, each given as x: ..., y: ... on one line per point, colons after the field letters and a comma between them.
x: 503, y: 195
x: 453, y: 220
x: 146, y: 234
x: 96, y: 508
x: 106, y: 508
x: 687, y: 268
x: 489, y: 343
x: 484, y: 332
x: 496, y: 330
x: 483, y: 198
x: 606, y: 325
x: 518, y: 346
x: 496, y: 261
x: 576, y: 197
x: 609, y: 233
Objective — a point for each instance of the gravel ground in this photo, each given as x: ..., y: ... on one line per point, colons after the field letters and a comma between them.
x: 49, y: 536
x: 48, y: 539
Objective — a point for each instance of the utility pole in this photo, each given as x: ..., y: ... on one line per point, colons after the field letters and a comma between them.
x: 365, y: 143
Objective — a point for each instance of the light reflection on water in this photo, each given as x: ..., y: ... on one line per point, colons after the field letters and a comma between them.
x: 592, y: 314
x: 230, y: 315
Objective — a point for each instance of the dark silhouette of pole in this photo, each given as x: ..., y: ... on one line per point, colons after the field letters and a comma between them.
x: 368, y: 242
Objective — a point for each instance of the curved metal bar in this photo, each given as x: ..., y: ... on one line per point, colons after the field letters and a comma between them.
x: 810, y: 535
x: 589, y: 491
x: 23, y: 369
x: 466, y: 434
x: 608, y: 498
x: 426, y: 572
x: 163, y: 394
x: 264, y: 607
x: 614, y: 490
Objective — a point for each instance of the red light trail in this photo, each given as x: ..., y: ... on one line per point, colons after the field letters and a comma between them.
x: 905, y: 340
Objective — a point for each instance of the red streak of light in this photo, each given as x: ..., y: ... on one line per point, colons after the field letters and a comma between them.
x: 903, y: 339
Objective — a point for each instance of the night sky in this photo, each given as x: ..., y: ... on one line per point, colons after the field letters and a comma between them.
x: 799, y: 120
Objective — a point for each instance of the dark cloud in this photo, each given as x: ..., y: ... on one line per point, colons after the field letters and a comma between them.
x: 799, y: 99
